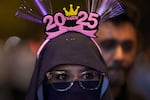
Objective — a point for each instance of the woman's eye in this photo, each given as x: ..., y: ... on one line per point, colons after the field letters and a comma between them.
x: 88, y: 76
x: 62, y: 77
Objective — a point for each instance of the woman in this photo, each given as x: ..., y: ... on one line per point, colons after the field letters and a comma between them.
x: 69, y: 67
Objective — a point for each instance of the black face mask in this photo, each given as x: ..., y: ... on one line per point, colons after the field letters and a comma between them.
x: 74, y: 93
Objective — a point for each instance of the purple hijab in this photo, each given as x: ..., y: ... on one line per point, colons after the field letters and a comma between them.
x: 69, y: 48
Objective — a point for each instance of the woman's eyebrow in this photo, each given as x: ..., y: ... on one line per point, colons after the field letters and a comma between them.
x: 86, y: 69
x: 60, y: 70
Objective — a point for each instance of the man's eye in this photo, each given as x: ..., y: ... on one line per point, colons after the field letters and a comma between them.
x: 108, y: 44
x: 127, y: 46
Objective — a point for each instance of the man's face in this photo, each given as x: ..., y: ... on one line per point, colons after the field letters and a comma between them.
x: 118, y: 45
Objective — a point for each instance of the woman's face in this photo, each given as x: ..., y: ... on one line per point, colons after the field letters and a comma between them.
x: 73, y: 82
x: 71, y: 73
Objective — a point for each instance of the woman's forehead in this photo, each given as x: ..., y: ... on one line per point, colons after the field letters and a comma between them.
x: 71, y: 67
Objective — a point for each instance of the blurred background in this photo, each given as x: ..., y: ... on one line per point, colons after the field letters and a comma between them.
x: 20, y: 39
x: 11, y: 25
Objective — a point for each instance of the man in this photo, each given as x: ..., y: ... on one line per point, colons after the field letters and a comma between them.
x: 117, y: 38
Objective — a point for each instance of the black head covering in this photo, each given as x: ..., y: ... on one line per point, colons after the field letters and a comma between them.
x: 69, y: 48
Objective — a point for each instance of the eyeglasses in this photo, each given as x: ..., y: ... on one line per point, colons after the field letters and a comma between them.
x: 63, y: 81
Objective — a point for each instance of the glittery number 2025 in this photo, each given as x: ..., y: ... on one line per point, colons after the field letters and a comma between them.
x: 91, y: 20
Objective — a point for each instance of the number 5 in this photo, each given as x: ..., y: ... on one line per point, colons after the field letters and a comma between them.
x: 93, y: 17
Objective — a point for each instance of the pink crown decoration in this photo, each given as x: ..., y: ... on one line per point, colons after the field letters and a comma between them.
x: 105, y: 8
x: 73, y: 19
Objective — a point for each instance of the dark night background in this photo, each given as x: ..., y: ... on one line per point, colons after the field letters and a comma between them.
x: 11, y: 25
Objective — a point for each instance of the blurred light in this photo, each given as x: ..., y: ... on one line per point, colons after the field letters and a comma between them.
x: 11, y: 43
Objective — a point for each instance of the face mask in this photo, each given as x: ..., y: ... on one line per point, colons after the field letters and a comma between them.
x: 74, y: 93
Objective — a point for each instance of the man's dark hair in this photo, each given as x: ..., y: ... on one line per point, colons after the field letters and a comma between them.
x: 120, y: 19
x: 131, y: 14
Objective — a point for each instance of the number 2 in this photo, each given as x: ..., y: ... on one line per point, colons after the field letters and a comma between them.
x: 84, y: 17
x: 50, y: 24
